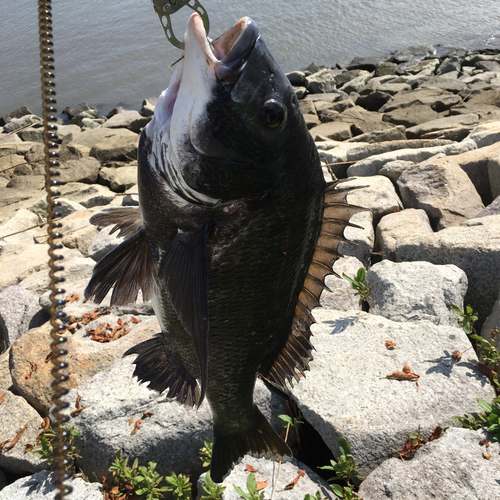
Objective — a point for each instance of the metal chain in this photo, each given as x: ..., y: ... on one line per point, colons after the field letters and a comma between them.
x: 57, y: 315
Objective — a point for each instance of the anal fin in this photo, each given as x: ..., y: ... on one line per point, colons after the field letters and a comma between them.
x: 184, y: 274
x: 154, y: 366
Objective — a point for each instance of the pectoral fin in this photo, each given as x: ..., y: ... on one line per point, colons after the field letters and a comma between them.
x: 184, y: 274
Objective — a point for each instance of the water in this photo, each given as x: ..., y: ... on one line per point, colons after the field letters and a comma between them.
x: 113, y: 52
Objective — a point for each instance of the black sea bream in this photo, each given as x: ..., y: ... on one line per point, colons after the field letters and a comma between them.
x: 234, y: 235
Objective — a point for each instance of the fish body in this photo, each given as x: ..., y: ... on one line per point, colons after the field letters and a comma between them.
x: 232, y: 205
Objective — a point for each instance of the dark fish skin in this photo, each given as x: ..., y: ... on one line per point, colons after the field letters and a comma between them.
x: 227, y: 276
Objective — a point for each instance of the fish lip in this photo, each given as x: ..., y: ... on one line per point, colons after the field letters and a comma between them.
x: 229, y: 53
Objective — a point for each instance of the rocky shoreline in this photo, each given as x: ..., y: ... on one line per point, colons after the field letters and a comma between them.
x: 419, y: 135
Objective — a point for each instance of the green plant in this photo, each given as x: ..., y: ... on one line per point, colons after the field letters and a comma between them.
x: 416, y: 437
x: 360, y: 285
x: 489, y: 419
x: 179, y: 485
x: 345, y: 468
x: 289, y: 422
x: 346, y: 492
x: 252, y: 494
x: 490, y: 355
x: 206, y: 453
x: 46, y: 438
x: 143, y: 481
x: 213, y: 491
x: 313, y: 497
x: 468, y: 318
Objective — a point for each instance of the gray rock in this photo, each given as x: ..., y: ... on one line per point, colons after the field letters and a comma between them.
x: 385, y: 68
x: 148, y: 106
x: 356, y: 84
x: 338, y: 131
x: 391, y: 134
x: 277, y: 479
x: 486, y: 134
x: 459, y: 246
x: 363, y: 237
x: 297, y: 78
x: 437, y: 99
x: 320, y: 82
x: 311, y: 121
x: 19, y: 223
x: 171, y: 437
x: 411, y: 116
x: 40, y: 486
x: 23, y: 121
x: 427, y: 64
x: 5, y: 377
x: 442, y: 189
x: 16, y: 413
x: 340, y: 295
x: 131, y: 198
x: 10, y: 161
x: 450, y: 468
x: 64, y: 206
x: 36, y: 154
x: 119, y: 179
x: 376, y: 193
x: 307, y: 107
x: 83, y: 170
x: 447, y: 122
x: 492, y: 322
x: 492, y: 209
x: 413, y: 53
x: 371, y: 165
x: 73, y: 111
x: 344, y: 395
x: 19, y: 311
x: 103, y: 243
x: 94, y: 195
x: 27, y: 182
x: 415, y: 291
x: 444, y: 82
x: 18, y: 113
x: 300, y: 92
x: 394, y: 169
x: 395, y: 227
x: 120, y: 146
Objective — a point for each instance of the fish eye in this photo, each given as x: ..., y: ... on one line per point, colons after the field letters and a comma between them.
x: 272, y: 113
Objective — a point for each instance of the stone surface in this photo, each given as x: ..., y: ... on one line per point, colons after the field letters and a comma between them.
x: 415, y: 291
x: 459, y: 246
x: 442, y: 189
x: 19, y: 311
x: 390, y: 134
x: 447, y: 122
x: 122, y: 119
x: 411, y: 116
x: 363, y: 238
x: 103, y: 243
x: 486, y: 134
x: 119, y: 146
x: 439, y: 100
x: 19, y: 223
x: 393, y: 169
x: 23, y: 121
x: 5, y: 378
x: 372, y: 165
x: 83, y: 170
x: 450, y: 468
x: 16, y: 413
x: 40, y: 486
x: 86, y: 357
x: 493, y: 322
x: 87, y: 196
x: 277, y: 480
x: 397, y: 226
x: 344, y: 395
x: 172, y: 436
x: 65, y: 207
x: 338, y: 131
x: 375, y: 193
x: 119, y: 179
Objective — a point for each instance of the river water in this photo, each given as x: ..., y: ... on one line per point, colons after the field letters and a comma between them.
x: 114, y: 52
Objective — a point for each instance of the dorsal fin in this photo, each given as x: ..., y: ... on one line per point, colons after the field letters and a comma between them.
x: 295, y: 356
x: 127, y: 220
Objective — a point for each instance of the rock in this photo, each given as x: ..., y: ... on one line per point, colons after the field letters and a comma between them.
x: 94, y: 195
x: 343, y: 395
x: 442, y: 189
x: 452, y: 467
x: 18, y: 113
x: 36, y: 154
x: 340, y: 295
x: 337, y: 131
x: 486, y: 134
x: 371, y: 165
x: 328, y: 96
x: 391, y: 134
x: 64, y: 207
x: 82, y: 170
x: 10, y: 161
x: 363, y: 237
x: 311, y: 120
x: 309, y: 483
x: 120, y: 146
x: 415, y: 291
x: 459, y: 246
x: 131, y: 198
x: 444, y: 82
x: 71, y: 112
x: 19, y: 311
x: 320, y: 82
x: 130, y: 119
x: 385, y: 68
x: 103, y: 243
x: 119, y: 179
x: 437, y: 99
x: 366, y: 63
x: 18, y: 148
x: 356, y: 84
x: 16, y: 413
x: 492, y: 322
x: 23, y: 121
x: 411, y: 116
x: 394, y: 169
x: 300, y: 92
x: 307, y: 107
x: 27, y: 182
x: 492, y: 209
x: 40, y: 486
x: 85, y: 357
x: 19, y: 223
x: 5, y: 378
x: 171, y: 436
x: 148, y: 106
x: 397, y: 226
x: 375, y: 193
x: 447, y: 122
x: 363, y: 121
x: 373, y: 101
x: 414, y: 53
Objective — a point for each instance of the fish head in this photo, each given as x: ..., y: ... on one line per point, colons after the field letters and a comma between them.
x: 229, y: 123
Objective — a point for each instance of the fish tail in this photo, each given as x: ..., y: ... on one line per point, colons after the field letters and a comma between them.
x: 260, y: 440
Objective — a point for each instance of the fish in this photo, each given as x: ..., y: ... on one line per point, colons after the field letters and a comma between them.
x: 235, y: 232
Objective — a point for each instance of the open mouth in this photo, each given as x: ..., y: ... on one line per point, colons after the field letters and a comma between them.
x: 230, y: 52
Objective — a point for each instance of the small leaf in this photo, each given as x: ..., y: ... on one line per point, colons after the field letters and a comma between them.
x: 251, y: 469
x: 389, y: 344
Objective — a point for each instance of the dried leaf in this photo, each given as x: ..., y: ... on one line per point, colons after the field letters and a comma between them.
x: 3, y: 443
x: 120, y: 321
x: 485, y: 442
x: 402, y: 376
x: 457, y: 355
x: 261, y: 485
x: 28, y: 448
x: 133, y: 319
x: 146, y: 414
x: 131, y: 421
x: 486, y: 455
x: 2, y: 397
x: 49, y: 356
x: 436, y: 433
x: 71, y: 328
x: 389, y: 344
x: 137, y: 425
x: 406, y: 368
x: 72, y: 298
x: 251, y: 469
x: 291, y: 484
x: 16, y: 439
x: 45, y: 424
x: 79, y: 407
